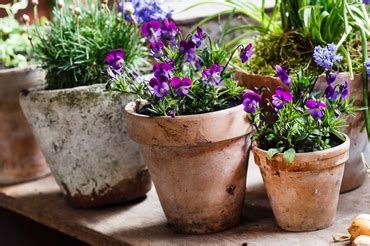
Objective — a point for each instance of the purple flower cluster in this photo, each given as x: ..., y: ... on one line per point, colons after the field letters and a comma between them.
x: 327, y: 56
x: 282, y: 74
x: 250, y: 101
x: 281, y: 97
x: 212, y: 75
x: 331, y: 92
x: 246, y: 53
x: 144, y: 10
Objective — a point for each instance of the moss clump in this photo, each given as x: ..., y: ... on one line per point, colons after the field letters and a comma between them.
x: 293, y: 50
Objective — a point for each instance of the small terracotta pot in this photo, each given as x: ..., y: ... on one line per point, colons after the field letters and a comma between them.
x: 355, y: 171
x: 304, y: 194
x: 198, y: 164
x: 83, y: 134
x: 20, y: 157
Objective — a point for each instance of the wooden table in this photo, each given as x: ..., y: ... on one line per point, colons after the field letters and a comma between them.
x: 143, y: 222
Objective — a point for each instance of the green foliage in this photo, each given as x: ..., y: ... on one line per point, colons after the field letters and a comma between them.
x: 73, y: 47
x: 15, y: 49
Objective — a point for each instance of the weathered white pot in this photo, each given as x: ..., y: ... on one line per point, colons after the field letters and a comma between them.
x: 82, y: 132
x: 20, y: 156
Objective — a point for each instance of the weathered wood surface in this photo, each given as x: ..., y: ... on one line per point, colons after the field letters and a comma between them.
x: 144, y: 223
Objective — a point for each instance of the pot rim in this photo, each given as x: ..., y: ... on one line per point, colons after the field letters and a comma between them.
x: 73, y: 89
x: 129, y: 108
x: 305, y: 154
x: 19, y: 69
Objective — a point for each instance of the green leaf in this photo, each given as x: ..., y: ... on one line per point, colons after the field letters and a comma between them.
x: 273, y: 151
x: 289, y: 155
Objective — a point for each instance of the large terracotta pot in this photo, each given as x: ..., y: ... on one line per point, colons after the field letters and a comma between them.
x: 20, y: 156
x: 304, y: 194
x: 198, y: 164
x: 83, y: 134
x: 355, y: 171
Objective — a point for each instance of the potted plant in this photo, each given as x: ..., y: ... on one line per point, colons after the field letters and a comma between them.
x: 20, y: 158
x: 81, y: 127
x: 288, y: 36
x: 300, y: 152
x: 191, y: 129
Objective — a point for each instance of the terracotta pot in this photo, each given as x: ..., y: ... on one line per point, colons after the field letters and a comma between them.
x: 355, y: 171
x: 304, y: 194
x: 198, y: 164
x: 83, y: 134
x: 20, y: 156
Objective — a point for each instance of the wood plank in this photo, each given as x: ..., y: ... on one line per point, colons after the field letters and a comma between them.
x: 143, y: 222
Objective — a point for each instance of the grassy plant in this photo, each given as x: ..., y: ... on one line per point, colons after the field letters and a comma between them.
x: 72, y: 48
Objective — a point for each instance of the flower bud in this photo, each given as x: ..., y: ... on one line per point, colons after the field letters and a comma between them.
x: 35, y: 2
x: 129, y: 8
x: 26, y: 18
x: 60, y: 4
x: 77, y: 11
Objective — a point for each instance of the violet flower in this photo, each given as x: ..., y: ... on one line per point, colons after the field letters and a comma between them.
x: 281, y: 97
x: 115, y: 59
x: 330, y: 93
x: 157, y: 49
x: 170, y: 31
x: 160, y: 87
x: 327, y: 56
x: 188, y: 50
x: 316, y: 108
x: 282, y: 74
x: 212, y: 75
x: 198, y: 64
x: 198, y: 37
x: 246, y: 53
x: 331, y: 77
x: 181, y: 86
x: 366, y: 1
x: 250, y: 101
x: 152, y: 31
x: 162, y: 70
x: 344, y: 90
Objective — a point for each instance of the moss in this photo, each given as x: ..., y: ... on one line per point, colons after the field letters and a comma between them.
x: 293, y: 51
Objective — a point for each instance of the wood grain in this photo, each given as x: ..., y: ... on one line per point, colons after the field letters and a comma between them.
x: 144, y: 223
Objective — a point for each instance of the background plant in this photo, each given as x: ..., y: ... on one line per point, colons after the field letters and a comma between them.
x: 72, y: 47
x: 15, y: 49
x: 190, y: 75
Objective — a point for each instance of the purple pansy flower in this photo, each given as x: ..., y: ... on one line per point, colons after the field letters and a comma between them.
x: 160, y: 87
x: 152, y: 30
x: 212, y: 75
x: 198, y: 64
x: 162, y: 70
x: 188, y: 50
x: 250, y: 101
x: 316, y: 108
x: 330, y: 93
x: 246, y: 53
x: 344, y: 89
x: 198, y: 37
x: 170, y: 31
x: 157, y: 49
x: 114, y: 58
x: 331, y: 77
x: 181, y: 86
x: 327, y: 56
x: 281, y: 97
x: 282, y: 74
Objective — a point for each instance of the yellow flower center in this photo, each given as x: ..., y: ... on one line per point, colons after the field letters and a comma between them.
x: 250, y: 106
x: 161, y: 91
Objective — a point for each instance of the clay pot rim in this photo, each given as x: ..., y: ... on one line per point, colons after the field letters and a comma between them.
x: 129, y: 108
x: 8, y: 71
x: 327, y: 151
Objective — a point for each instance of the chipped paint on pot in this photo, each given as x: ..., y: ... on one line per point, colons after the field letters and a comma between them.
x: 304, y: 194
x: 20, y: 157
x: 198, y: 164
x: 355, y: 171
x: 83, y: 134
